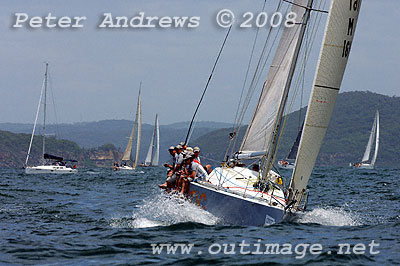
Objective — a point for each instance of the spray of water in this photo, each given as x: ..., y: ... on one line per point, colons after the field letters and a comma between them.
x: 165, y: 210
x: 331, y: 216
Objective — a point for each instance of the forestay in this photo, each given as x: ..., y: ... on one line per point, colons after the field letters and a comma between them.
x: 262, y: 125
x: 332, y: 62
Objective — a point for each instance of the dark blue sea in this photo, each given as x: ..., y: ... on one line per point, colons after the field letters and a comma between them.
x: 98, y: 217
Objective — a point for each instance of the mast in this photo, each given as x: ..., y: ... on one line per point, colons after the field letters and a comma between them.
x: 335, y: 50
x: 262, y: 133
x: 271, y: 152
x: 35, y: 123
x: 157, y: 152
x: 44, y: 109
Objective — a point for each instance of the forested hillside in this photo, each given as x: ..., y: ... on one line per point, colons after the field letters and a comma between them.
x: 347, y: 134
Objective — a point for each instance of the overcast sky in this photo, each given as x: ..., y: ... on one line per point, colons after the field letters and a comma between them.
x: 96, y: 72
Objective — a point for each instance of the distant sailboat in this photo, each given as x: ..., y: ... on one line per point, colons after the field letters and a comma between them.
x: 257, y: 196
x: 154, y: 148
x: 50, y: 163
x: 288, y: 163
x: 374, y: 135
x: 128, y: 164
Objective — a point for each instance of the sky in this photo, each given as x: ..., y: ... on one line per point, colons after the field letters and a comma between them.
x: 95, y: 72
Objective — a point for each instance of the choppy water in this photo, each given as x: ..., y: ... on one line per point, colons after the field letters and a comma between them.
x: 101, y: 218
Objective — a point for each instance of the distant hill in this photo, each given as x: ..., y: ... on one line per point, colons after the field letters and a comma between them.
x: 14, y: 147
x: 347, y: 134
x: 94, y: 134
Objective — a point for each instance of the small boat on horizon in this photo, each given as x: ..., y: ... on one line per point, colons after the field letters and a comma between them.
x: 153, y: 154
x: 127, y: 163
x: 374, y: 135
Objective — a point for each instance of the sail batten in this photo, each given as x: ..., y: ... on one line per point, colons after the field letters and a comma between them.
x: 338, y: 38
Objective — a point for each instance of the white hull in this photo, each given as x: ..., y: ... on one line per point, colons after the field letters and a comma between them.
x: 49, y: 169
x: 124, y: 169
x: 362, y: 166
x: 285, y: 164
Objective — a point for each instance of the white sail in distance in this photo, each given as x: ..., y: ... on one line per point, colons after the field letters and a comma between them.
x: 128, y: 151
x: 376, y: 139
x: 149, y: 155
x: 336, y: 45
x: 157, y: 145
x: 139, y: 129
x: 370, y: 140
x: 263, y: 123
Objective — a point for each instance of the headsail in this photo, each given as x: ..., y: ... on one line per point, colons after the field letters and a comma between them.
x: 263, y: 123
x: 370, y: 140
x: 332, y: 62
x: 376, y: 140
x: 157, y: 145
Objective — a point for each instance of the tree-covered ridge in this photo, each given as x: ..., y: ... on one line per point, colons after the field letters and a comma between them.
x: 347, y: 135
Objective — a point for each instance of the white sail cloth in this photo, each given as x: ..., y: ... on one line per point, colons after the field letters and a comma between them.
x: 370, y: 140
x: 261, y: 127
x: 332, y: 62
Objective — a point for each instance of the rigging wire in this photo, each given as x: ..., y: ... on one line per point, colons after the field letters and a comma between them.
x: 244, y: 85
x: 208, y: 82
x: 257, y: 72
x: 314, y: 30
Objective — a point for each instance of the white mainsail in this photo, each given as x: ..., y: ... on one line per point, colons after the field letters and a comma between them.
x: 376, y: 140
x: 263, y: 123
x: 136, y: 126
x: 157, y: 146
x: 332, y: 62
x: 370, y: 140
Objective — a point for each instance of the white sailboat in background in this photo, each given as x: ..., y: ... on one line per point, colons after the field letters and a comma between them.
x: 127, y: 163
x: 257, y: 196
x: 153, y: 153
x: 50, y: 163
x: 374, y: 135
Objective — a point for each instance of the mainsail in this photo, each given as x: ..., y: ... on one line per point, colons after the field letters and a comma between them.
x: 274, y: 93
x: 136, y: 126
x: 332, y: 62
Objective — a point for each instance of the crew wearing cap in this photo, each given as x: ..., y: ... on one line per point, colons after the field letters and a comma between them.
x: 171, y: 177
x: 178, y: 157
x: 194, y: 170
x: 196, y: 151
